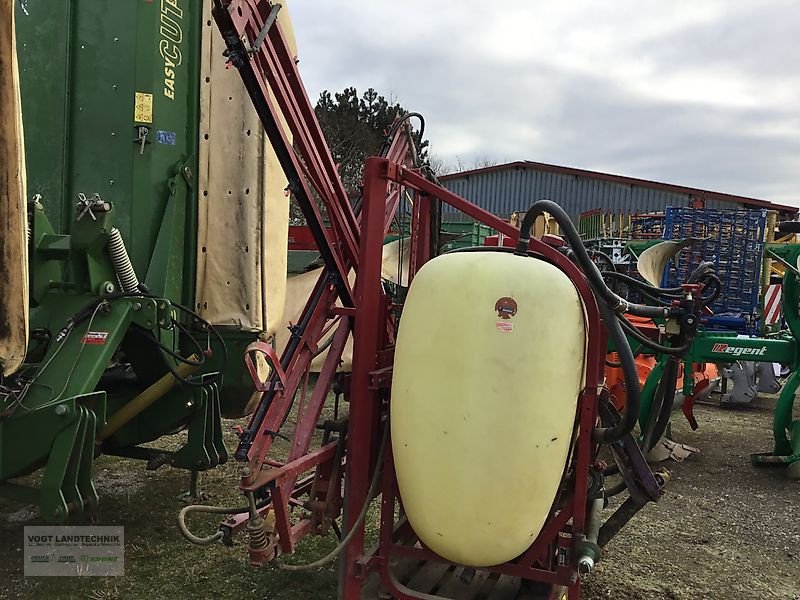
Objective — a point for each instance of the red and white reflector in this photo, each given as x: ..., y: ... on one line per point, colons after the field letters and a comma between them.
x: 772, y: 304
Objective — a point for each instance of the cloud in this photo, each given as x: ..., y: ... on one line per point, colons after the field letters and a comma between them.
x: 702, y: 94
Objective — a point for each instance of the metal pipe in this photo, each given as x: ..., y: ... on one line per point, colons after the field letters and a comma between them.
x: 588, y: 550
x: 156, y: 391
x: 617, y: 521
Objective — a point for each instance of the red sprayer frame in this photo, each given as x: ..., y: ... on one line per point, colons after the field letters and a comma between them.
x: 549, y: 558
x: 566, y: 522
x: 312, y: 479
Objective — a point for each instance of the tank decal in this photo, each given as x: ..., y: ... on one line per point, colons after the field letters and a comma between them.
x: 506, y: 307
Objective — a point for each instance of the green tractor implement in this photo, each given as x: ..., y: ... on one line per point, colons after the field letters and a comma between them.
x: 129, y: 233
x: 720, y: 347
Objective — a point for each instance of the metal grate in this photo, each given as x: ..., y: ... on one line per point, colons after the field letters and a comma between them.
x: 733, y: 240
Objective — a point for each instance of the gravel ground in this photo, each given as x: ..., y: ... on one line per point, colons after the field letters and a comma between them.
x: 723, y: 531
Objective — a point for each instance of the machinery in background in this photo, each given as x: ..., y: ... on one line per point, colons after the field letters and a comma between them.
x: 733, y: 240
x: 524, y: 323
x: 725, y: 348
x: 124, y: 269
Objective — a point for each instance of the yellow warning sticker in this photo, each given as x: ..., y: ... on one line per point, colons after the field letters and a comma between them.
x: 143, y: 108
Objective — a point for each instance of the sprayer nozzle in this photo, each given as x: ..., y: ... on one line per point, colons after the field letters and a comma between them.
x: 585, y: 566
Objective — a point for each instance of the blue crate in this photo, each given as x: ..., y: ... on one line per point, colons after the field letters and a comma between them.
x: 734, y: 241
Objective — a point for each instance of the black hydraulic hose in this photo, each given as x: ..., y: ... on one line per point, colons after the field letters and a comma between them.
x: 210, y: 329
x: 717, y: 290
x: 711, y: 279
x: 643, y: 339
x: 705, y: 274
x: 605, y: 257
x: 616, y: 303
x: 627, y: 279
x: 703, y: 269
x: 396, y: 128
x: 630, y: 415
x: 708, y: 279
x: 659, y: 417
x: 641, y: 290
x: 223, y: 363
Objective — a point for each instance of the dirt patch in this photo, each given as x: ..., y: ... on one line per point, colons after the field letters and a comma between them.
x: 723, y: 531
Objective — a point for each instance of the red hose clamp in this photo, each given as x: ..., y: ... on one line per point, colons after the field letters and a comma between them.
x: 269, y: 354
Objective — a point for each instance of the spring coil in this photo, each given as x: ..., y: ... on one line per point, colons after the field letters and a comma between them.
x: 258, y: 542
x: 122, y: 262
x: 257, y: 533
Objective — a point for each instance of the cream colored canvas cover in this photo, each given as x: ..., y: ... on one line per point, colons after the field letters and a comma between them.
x: 13, y: 214
x: 243, y: 210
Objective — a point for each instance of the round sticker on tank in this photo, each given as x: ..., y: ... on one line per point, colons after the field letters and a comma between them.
x: 506, y: 307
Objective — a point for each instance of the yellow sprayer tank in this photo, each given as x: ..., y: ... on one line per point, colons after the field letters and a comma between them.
x: 488, y: 367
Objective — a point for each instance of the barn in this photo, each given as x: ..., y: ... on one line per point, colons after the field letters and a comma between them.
x: 504, y: 189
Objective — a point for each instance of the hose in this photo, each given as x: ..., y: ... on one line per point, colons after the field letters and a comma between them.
x: 611, y: 307
x: 331, y: 556
x: 122, y: 262
x: 705, y: 274
x: 708, y: 279
x: 202, y: 508
x: 399, y: 123
x: 616, y: 303
x: 643, y: 339
x: 659, y: 417
x: 202, y: 355
x: 631, y: 412
x: 641, y: 285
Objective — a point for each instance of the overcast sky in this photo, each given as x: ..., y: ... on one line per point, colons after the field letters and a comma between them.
x: 703, y: 93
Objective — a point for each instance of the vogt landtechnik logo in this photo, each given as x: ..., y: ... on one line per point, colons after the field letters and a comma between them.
x: 63, y: 551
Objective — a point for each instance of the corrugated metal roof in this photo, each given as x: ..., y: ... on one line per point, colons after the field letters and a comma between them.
x: 503, y: 189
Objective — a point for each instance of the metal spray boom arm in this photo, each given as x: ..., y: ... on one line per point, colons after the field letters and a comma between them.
x: 258, y: 49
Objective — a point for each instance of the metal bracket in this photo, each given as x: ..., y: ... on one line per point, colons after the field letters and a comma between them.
x: 262, y: 35
x: 86, y: 206
x: 380, y: 379
x: 142, y: 131
x: 272, y: 360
